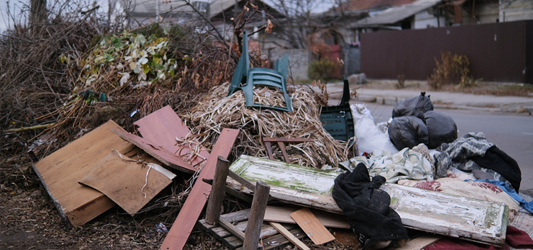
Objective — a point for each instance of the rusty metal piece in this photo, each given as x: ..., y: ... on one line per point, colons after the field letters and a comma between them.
x: 281, y: 143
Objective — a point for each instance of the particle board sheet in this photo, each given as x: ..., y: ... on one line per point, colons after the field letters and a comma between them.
x: 128, y: 183
x: 428, y: 211
x: 161, y: 154
x: 283, y: 215
x: 60, y: 172
x: 189, y: 213
x: 312, y: 226
x: 269, y: 235
x: 162, y: 127
x: 451, y: 215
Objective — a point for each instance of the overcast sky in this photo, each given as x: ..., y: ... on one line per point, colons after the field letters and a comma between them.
x: 17, y: 8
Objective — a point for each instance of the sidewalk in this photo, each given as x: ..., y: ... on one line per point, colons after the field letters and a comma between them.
x: 450, y: 100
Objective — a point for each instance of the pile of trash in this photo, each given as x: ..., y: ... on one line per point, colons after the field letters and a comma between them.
x: 154, y: 127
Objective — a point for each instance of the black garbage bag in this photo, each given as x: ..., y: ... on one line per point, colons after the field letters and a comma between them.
x: 415, y: 106
x: 407, y: 132
x: 367, y: 208
x: 441, y: 128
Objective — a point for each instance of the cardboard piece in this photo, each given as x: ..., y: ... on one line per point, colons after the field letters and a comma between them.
x: 128, y: 183
x: 159, y: 153
x: 312, y: 226
x: 60, y: 172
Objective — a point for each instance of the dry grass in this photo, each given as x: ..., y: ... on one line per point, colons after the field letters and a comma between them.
x: 217, y: 111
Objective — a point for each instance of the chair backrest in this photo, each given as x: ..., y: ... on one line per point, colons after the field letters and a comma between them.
x: 282, y: 66
x: 267, y: 77
x: 243, y: 66
x: 345, y: 92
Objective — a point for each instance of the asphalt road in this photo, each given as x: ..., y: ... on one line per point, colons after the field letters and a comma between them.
x: 512, y: 133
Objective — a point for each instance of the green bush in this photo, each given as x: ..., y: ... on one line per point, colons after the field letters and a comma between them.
x: 323, y: 69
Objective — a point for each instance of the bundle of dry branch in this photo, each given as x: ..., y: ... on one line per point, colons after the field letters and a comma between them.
x: 217, y: 111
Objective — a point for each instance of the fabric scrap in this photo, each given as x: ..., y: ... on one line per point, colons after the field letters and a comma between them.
x: 517, y: 238
x: 511, y: 192
x: 406, y: 164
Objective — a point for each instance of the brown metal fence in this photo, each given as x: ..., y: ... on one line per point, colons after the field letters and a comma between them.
x: 501, y: 52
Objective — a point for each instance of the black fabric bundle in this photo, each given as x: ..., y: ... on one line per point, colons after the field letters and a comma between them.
x: 367, y: 207
x: 502, y: 163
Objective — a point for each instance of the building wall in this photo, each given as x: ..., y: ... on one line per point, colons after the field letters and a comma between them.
x: 497, y: 52
x: 298, y: 61
x: 517, y: 10
x: 487, y: 12
x: 424, y: 20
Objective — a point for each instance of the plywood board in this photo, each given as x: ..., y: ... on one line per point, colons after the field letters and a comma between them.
x: 429, y: 211
x: 420, y: 242
x: 126, y: 182
x: 283, y: 215
x: 162, y: 127
x: 60, y: 172
x: 157, y: 152
x: 312, y: 226
x: 189, y: 213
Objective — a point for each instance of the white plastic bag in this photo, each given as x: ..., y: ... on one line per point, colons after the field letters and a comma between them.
x: 369, y: 136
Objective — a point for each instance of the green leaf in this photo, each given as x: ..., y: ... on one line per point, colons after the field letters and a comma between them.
x: 146, y: 68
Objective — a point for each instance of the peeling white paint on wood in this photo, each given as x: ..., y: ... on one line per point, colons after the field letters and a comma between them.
x: 281, y: 174
x: 456, y: 216
x: 429, y: 211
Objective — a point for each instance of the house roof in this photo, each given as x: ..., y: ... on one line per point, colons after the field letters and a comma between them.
x: 373, y: 4
x: 148, y: 7
x: 395, y: 14
x: 218, y: 6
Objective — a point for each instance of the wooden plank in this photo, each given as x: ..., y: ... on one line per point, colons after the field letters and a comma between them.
x: 270, y: 236
x: 312, y: 226
x: 289, y: 236
x: 61, y: 171
x: 257, y: 213
x: 420, y: 242
x: 162, y: 127
x: 126, y: 182
x: 282, y: 215
x: 231, y: 228
x: 279, y: 240
x: 218, y: 188
x: 428, y: 211
x: 184, y: 223
x: 161, y: 154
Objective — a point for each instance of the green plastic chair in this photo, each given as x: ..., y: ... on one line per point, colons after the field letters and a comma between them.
x: 245, y: 79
